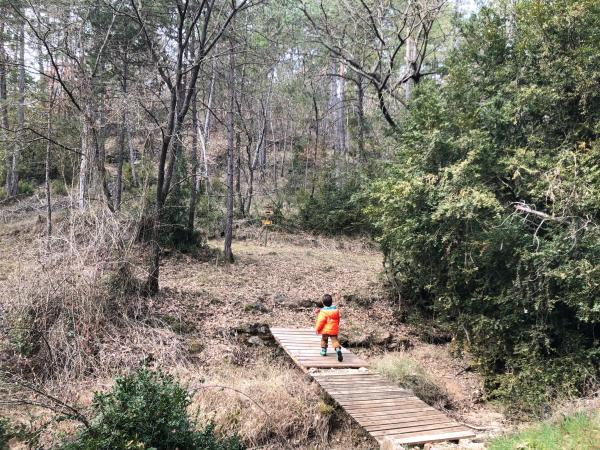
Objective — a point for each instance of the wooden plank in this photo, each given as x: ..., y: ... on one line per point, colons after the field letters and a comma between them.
x: 425, y: 437
x: 386, y: 420
x: 438, y: 428
x: 400, y: 413
x: 380, y: 407
x: 365, y: 409
x: 397, y: 410
x: 368, y: 396
x: 376, y: 401
x: 442, y: 422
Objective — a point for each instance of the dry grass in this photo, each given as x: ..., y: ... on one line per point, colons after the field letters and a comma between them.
x: 97, y: 329
x: 67, y: 308
x: 406, y: 372
x: 267, y: 401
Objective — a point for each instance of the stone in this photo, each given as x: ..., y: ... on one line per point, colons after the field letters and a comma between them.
x: 194, y: 346
x: 280, y: 297
x: 306, y: 303
x: 472, y: 444
x: 391, y: 444
x: 251, y: 328
x: 255, y: 340
x: 256, y: 306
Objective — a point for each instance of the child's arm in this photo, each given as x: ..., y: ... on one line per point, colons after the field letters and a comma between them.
x: 321, y: 319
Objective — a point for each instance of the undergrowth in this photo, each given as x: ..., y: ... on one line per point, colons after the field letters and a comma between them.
x: 577, y: 432
x: 408, y: 374
x: 66, y: 310
x: 146, y: 410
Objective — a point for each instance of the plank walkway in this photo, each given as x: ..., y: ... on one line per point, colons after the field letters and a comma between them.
x: 386, y: 411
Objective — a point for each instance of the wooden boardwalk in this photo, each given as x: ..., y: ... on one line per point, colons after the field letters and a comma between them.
x: 303, y: 346
x: 386, y: 411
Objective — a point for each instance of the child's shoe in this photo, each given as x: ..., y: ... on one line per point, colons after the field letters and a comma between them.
x: 339, y: 354
x: 323, y: 352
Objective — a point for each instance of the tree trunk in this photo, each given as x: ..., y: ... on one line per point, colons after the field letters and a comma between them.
x: 285, y: 135
x: 316, y: 111
x: 230, y: 150
x: 194, y: 160
x: 238, y: 171
x: 132, y: 156
x: 4, y: 108
x: 361, y: 118
x: 85, y: 161
x: 122, y: 137
x: 47, y: 168
x: 205, y: 135
x: 12, y: 171
x: 119, y: 180
x: 250, y: 192
x: 411, y: 61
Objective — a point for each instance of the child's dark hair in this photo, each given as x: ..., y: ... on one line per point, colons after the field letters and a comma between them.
x: 327, y: 300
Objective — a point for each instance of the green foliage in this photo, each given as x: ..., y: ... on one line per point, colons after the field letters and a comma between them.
x: 6, y: 433
x: 209, y: 217
x: 146, y: 410
x: 58, y: 187
x: 26, y: 188
x: 571, y: 433
x: 333, y: 208
x: 514, y: 125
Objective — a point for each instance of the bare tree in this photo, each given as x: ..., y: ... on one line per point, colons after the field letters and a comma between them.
x: 78, y: 79
x: 209, y: 19
x: 4, y: 122
x: 230, y: 152
x: 370, y: 37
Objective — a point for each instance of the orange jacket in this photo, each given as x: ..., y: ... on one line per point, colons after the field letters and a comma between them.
x: 328, y: 321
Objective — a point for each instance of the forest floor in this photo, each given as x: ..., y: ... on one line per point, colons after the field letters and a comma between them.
x: 209, y: 329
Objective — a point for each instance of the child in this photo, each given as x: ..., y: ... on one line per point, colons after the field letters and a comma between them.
x: 328, y: 324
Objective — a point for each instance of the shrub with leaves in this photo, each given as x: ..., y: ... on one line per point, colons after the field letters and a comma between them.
x: 146, y: 410
x: 5, y: 433
x: 491, y: 218
x: 332, y: 208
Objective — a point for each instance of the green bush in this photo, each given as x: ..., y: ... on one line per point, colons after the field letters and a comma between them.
x: 58, y: 187
x: 333, y: 208
x: 6, y: 433
x: 519, y: 289
x: 146, y: 410
x: 26, y: 188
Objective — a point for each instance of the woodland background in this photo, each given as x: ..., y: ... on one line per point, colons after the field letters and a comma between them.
x: 462, y: 139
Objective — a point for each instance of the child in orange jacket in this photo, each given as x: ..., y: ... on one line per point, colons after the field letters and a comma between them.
x: 328, y: 326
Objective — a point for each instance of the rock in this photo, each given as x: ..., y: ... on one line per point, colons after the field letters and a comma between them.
x: 255, y: 340
x: 391, y: 444
x: 469, y: 444
x: 251, y: 328
x: 307, y: 303
x: 367, y: 340
x: 363, y: 340
x: 382, y: 339
x: 194, y: 346
x: 257, y: 306
x: 400, y: 344
x: 280, y: 297
x: 360, y: 299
